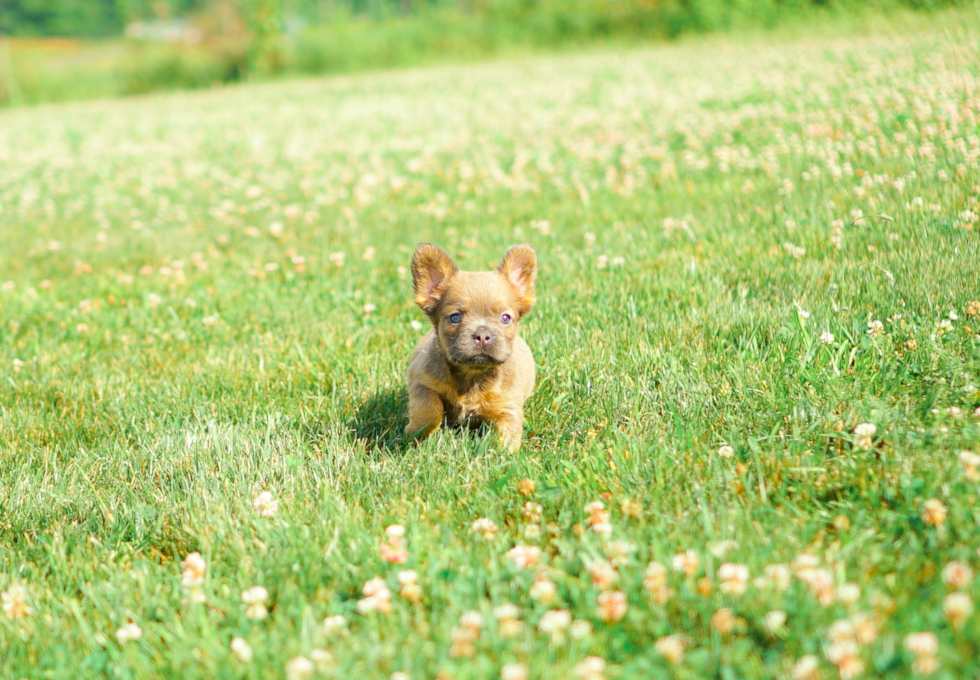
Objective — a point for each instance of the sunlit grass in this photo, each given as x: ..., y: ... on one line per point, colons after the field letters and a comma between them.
x: 750, y: 253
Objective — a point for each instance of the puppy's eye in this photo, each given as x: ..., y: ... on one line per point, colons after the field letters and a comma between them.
x: 505, y: 319
x: 455, y: 317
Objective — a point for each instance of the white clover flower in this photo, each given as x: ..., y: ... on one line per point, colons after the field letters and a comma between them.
x: 241, y: 650
x: 265, y: 504
x: 129, y: 632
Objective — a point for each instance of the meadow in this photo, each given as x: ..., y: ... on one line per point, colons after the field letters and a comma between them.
x: 754, y: 446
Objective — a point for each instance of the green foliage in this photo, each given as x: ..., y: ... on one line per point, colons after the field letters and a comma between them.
x: 204, y: 296
x: 32, y: 18
x: 152, y: 68
x: 265, y: 23
x: 247, y: 38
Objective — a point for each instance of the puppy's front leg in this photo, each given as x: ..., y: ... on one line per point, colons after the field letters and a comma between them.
x: 510, y: 428
x: 425, y: 411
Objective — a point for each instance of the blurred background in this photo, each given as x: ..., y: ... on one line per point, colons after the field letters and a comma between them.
x: 56, y: 50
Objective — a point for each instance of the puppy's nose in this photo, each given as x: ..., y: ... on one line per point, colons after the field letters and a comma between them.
x: 483, y: 337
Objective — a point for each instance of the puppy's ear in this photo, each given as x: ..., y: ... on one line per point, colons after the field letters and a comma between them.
x: 431, y: 268
x: 520, y: 268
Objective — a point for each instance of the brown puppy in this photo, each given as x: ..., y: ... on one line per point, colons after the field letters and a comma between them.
x: 473, y: 367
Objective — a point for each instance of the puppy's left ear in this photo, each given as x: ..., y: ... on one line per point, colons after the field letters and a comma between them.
x: 432, y: 268
x: 520, y: 268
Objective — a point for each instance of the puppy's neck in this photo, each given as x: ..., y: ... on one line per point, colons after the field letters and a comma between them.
x: 469, y: 377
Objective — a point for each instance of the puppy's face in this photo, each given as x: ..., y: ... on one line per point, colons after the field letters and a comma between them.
x: 475, y: 314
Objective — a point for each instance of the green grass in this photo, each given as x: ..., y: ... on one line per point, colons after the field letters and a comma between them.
x: 167, y: 354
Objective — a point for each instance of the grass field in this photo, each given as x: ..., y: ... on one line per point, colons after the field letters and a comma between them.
x: 750, y: 254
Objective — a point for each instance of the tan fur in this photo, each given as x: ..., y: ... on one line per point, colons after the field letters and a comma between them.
x: 451, y: 375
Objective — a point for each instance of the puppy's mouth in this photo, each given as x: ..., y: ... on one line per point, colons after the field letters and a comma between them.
x: 480, y: 359
x: 484, y: 359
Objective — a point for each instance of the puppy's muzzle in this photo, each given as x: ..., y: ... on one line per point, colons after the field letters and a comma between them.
x: 484, y: 338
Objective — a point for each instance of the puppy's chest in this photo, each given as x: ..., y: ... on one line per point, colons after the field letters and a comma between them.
x: 475, y: 405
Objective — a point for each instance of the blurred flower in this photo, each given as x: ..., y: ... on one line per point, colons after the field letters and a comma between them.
x: 377, y: 597
x: 655, y: 583
x: 971, y: 465
x: 957, y: 607
x: 777, y: 576
x: 865, y: 432
x: 598, y: 518
x: 322, y: 659
x: 775, y: 621
x: 722, y: 548
x: 806, y: 668
x: 484, y: 526
x: 876, y: 329
x: 14, y: 601
x: 524, y: 556
x: 612, y: 605
x: 827, y: 338
x: 846, y: 656
x: 849, y: 593
x: 922, y: 644
x: 543, y: 590
x: 394, y: 550
x: 630, y: 508
x: 591, y: 668
x: 410, y: 589
x: 726, y: 451
x: 241, y: 650
x: 925, y: 647
x: 603, y: 574
x: 671, y: 647
x: 299, y: 667
x: 957, y: 575
x: 513, y: 671
x: 472, y: 620
x: 734, y: 578
x: 194, y: 570
x: 527, y: 487
x: 821, y: 584
x: 255, y: 599
x: 723, y: 621
x: 532, y: 511
x: 841, y: 630
x: 507, y: 619
x: 128, y: 632
x: 865, y: 628
x: 934, y: 512
x: 805, y: 561
x: 687, y: 562
x: 619, y: 552
x: 580, y: 629
x: 468, y: 632
x: 847, y: 659
x: 394, y: 554
x: 332, y: 625
x: 265, y: 504
x: 554, y: 623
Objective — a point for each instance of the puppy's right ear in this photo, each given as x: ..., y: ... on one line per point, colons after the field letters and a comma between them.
x: 431, y: 268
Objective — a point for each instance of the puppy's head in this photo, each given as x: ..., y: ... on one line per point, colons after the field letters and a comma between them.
x: 475, y: 314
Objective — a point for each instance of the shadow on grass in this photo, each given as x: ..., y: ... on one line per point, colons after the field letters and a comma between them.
x: 380, y: 421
